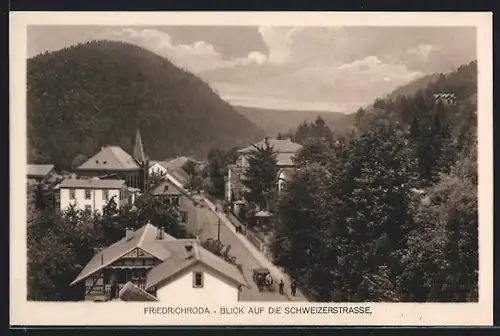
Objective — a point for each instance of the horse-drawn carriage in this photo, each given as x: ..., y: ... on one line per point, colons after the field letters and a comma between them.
x: 262, y: 277
x: 217, y: 248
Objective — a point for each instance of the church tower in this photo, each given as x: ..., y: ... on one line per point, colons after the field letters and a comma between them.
x: 142, y: 160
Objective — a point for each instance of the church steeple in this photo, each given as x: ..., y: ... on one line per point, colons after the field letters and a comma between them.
x: 138, y: 149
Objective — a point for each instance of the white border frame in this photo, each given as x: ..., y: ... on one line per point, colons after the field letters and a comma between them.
x: 23, y: 312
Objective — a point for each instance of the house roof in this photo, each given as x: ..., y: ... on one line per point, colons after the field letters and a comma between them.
x: 279, y: 146
x: 178, y: 162
x: 285, y: 159
x: 39, y: 170
x: 168, y: 249
x: 91, y: 184
x: 165, y: 187
x: 180, y: 175
x: 132, y: 292
x: 110, y: 158
x: 144, y: 238
x: 181, y: 259
x: 164, y: 164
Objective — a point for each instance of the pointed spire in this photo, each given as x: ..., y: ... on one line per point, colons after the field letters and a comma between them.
x: 138, y: 149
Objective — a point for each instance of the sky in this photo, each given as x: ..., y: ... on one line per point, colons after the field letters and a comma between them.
x: 305, y: 68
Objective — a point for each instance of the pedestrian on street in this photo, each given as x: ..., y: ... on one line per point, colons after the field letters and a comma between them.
x: 293, y: 288
x: 281, y: 287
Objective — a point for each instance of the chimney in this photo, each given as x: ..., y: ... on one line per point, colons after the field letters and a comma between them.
x: 102, y: 259
x: 189, y: 249
x: 128, y: 232
x: 159, y: 235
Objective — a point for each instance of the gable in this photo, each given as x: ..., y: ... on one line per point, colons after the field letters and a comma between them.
x: 138, y: 253
x: 110, y: 158
x: 185, y: 273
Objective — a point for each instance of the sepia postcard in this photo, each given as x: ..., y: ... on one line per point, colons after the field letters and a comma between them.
x: 251, y: 168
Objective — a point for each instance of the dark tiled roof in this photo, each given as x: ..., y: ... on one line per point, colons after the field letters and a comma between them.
x: 91, y: 184
x: 39, y: 170
x: 110, y: 158
x: 131, y: 292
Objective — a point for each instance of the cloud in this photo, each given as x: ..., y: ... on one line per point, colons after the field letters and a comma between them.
x: 332, y: 67
x: 197, y: 57
x: 343, y: 67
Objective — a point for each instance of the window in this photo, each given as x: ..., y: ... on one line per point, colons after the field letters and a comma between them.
x: 197, y: 280
x: 175, y: 201
x: 184, y: 216
x: 88, y: 208
x: 105, y: 195
x: 72, y: 194
x: 87, y: 194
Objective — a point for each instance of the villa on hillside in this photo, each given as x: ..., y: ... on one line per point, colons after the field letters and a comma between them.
x: 150, y: 265
x: 285, y: 150
x: 446, y: 98
x: 172, y: 170
x: 113, y: 162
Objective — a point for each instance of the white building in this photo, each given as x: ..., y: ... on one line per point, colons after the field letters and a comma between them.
x: 196, y: 276
x: 150, y: 265
x: 93, y: 194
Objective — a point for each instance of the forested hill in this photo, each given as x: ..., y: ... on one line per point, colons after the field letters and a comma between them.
x: 462, y: 82
x: 391, y: 206
x: 274, y: 121
x: 98, y: 93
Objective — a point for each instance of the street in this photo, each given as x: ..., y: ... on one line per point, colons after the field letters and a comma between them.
x: 208, y: 226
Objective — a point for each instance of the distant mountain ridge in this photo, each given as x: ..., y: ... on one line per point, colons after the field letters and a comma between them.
x: 274, y: 121
x: 99, y: 93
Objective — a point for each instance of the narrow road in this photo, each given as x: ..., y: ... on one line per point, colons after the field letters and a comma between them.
x: 207, y: 222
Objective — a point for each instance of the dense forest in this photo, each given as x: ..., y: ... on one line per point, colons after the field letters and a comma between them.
x: 388, y: 211
x: 273, y: 121
x: 99, y: 93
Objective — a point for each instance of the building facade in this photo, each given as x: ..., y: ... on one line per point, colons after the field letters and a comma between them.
x: 113, y: 160
x: 198, y: 284
x: 169, y: 269
x: 285, y: 151
x: 92, y: 194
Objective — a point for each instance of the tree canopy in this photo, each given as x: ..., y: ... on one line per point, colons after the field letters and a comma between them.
x: 61, y: 244
x: 388, y: 211
x: 99, y: 93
